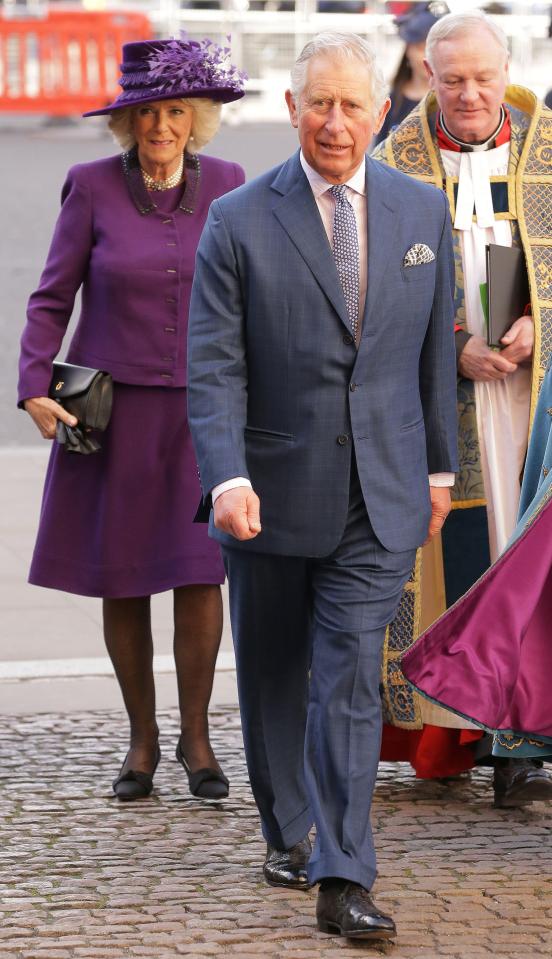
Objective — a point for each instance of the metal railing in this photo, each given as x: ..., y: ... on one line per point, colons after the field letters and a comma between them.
x: 265, y: 41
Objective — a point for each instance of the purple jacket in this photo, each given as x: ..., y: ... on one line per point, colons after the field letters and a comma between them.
x: 135, y: 265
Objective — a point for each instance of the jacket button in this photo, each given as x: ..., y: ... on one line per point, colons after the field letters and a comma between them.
x: 347, y: 339
x: 353, y: 387
x: 343, y: 439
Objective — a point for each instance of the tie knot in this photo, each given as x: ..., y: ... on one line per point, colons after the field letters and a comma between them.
x: 338, y: 191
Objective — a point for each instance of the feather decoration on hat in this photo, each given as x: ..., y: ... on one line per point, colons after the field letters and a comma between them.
x: 194, y: 64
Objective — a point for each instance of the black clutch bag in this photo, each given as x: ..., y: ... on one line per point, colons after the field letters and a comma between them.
x: 86, y: 394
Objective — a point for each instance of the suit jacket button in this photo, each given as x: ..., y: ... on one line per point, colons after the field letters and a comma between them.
x: 352, y: 387
x: 343, y: 439
x: 347, y: 339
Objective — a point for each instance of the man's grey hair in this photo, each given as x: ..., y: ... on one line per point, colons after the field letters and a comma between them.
x: 346, y: 46
x: 205, y: 123
x: 462, y: 24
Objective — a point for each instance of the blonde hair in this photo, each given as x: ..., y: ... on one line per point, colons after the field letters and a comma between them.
x: 205, y: 123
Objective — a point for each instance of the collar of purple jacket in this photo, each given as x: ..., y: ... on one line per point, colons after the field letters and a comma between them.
x: 142, y: 198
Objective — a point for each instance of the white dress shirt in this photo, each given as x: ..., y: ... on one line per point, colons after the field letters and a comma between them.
x: 356, y: 195
x: 502, y: 406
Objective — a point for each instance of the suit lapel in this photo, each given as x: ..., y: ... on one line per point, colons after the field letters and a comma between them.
x: 297, y: 212
x: 383, y: 223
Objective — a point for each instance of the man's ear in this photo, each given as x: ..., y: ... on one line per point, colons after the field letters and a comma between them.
x: 292, y: 107
x: 381, y: 116
x: 430, y: 74
x: 507, y: 70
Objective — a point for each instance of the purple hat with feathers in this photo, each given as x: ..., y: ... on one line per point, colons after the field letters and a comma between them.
x: 175, y: 69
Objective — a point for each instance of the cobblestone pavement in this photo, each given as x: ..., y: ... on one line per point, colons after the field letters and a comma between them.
x: 85, y: 876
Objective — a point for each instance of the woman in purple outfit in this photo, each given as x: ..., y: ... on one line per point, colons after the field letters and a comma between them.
x: 119, y: 524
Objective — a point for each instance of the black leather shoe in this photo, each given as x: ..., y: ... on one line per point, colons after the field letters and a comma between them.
x: 520, y: 781
x: 204, y: 783
x: 288, y: 867
x: 135, y: 784
x: 348, y: 909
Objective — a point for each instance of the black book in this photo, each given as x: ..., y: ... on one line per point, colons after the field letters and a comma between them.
x: 507, y: 289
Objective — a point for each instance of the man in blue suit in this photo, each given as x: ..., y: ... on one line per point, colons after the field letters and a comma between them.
x: 321, y: 396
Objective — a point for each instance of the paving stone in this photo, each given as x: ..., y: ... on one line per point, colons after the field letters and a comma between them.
x: 89, y: 952
x: 201, y: 949
x: 86, y: 877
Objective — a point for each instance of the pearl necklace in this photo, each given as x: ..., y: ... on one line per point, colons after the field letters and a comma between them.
x: 172, y: 180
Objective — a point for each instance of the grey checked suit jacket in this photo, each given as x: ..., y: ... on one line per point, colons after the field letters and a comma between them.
x: 277, y: 390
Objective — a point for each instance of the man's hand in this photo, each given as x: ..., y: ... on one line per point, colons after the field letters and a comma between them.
x: 518, y: 341
x: 45, y: 413
x: 478, y: 362
x: 237, y: 512
x: 440, y: 508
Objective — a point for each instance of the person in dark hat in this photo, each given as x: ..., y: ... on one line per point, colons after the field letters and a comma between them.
x: 119, y: 524
x: 410, y: 83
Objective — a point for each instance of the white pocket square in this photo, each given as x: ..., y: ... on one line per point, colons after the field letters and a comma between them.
x: 418, y: 254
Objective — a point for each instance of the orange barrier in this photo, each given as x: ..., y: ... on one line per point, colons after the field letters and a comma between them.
x: 66, y: 62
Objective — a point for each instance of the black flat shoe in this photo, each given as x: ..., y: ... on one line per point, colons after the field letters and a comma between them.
x: 135, y: 784
x: 348, y: 909
x: 204, y: 783
x: 288, y: 867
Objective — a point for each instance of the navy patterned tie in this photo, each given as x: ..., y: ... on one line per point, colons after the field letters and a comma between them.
x: 346, y: 252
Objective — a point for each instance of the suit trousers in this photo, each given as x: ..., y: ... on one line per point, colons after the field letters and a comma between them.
x: 312, y: 742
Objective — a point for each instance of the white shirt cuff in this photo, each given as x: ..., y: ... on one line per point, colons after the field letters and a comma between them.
x: 435, y: 479
x: 441, y: 479
x: 229, y: 484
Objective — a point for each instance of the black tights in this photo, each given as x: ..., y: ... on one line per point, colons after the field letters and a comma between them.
x: 197, y: 632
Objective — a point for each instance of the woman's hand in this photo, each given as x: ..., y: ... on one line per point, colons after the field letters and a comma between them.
x: 45, y: 413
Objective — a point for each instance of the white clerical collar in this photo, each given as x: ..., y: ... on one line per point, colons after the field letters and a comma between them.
x: 464, y: 146
x: 319, y: 185
x: 474, y: 189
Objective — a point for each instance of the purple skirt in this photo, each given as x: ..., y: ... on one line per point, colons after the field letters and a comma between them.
x: 120, y: 522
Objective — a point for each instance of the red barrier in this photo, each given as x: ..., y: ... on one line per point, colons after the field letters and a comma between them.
x: 66, y: 62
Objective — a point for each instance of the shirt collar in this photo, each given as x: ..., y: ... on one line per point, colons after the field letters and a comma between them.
x: 319, y: 185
